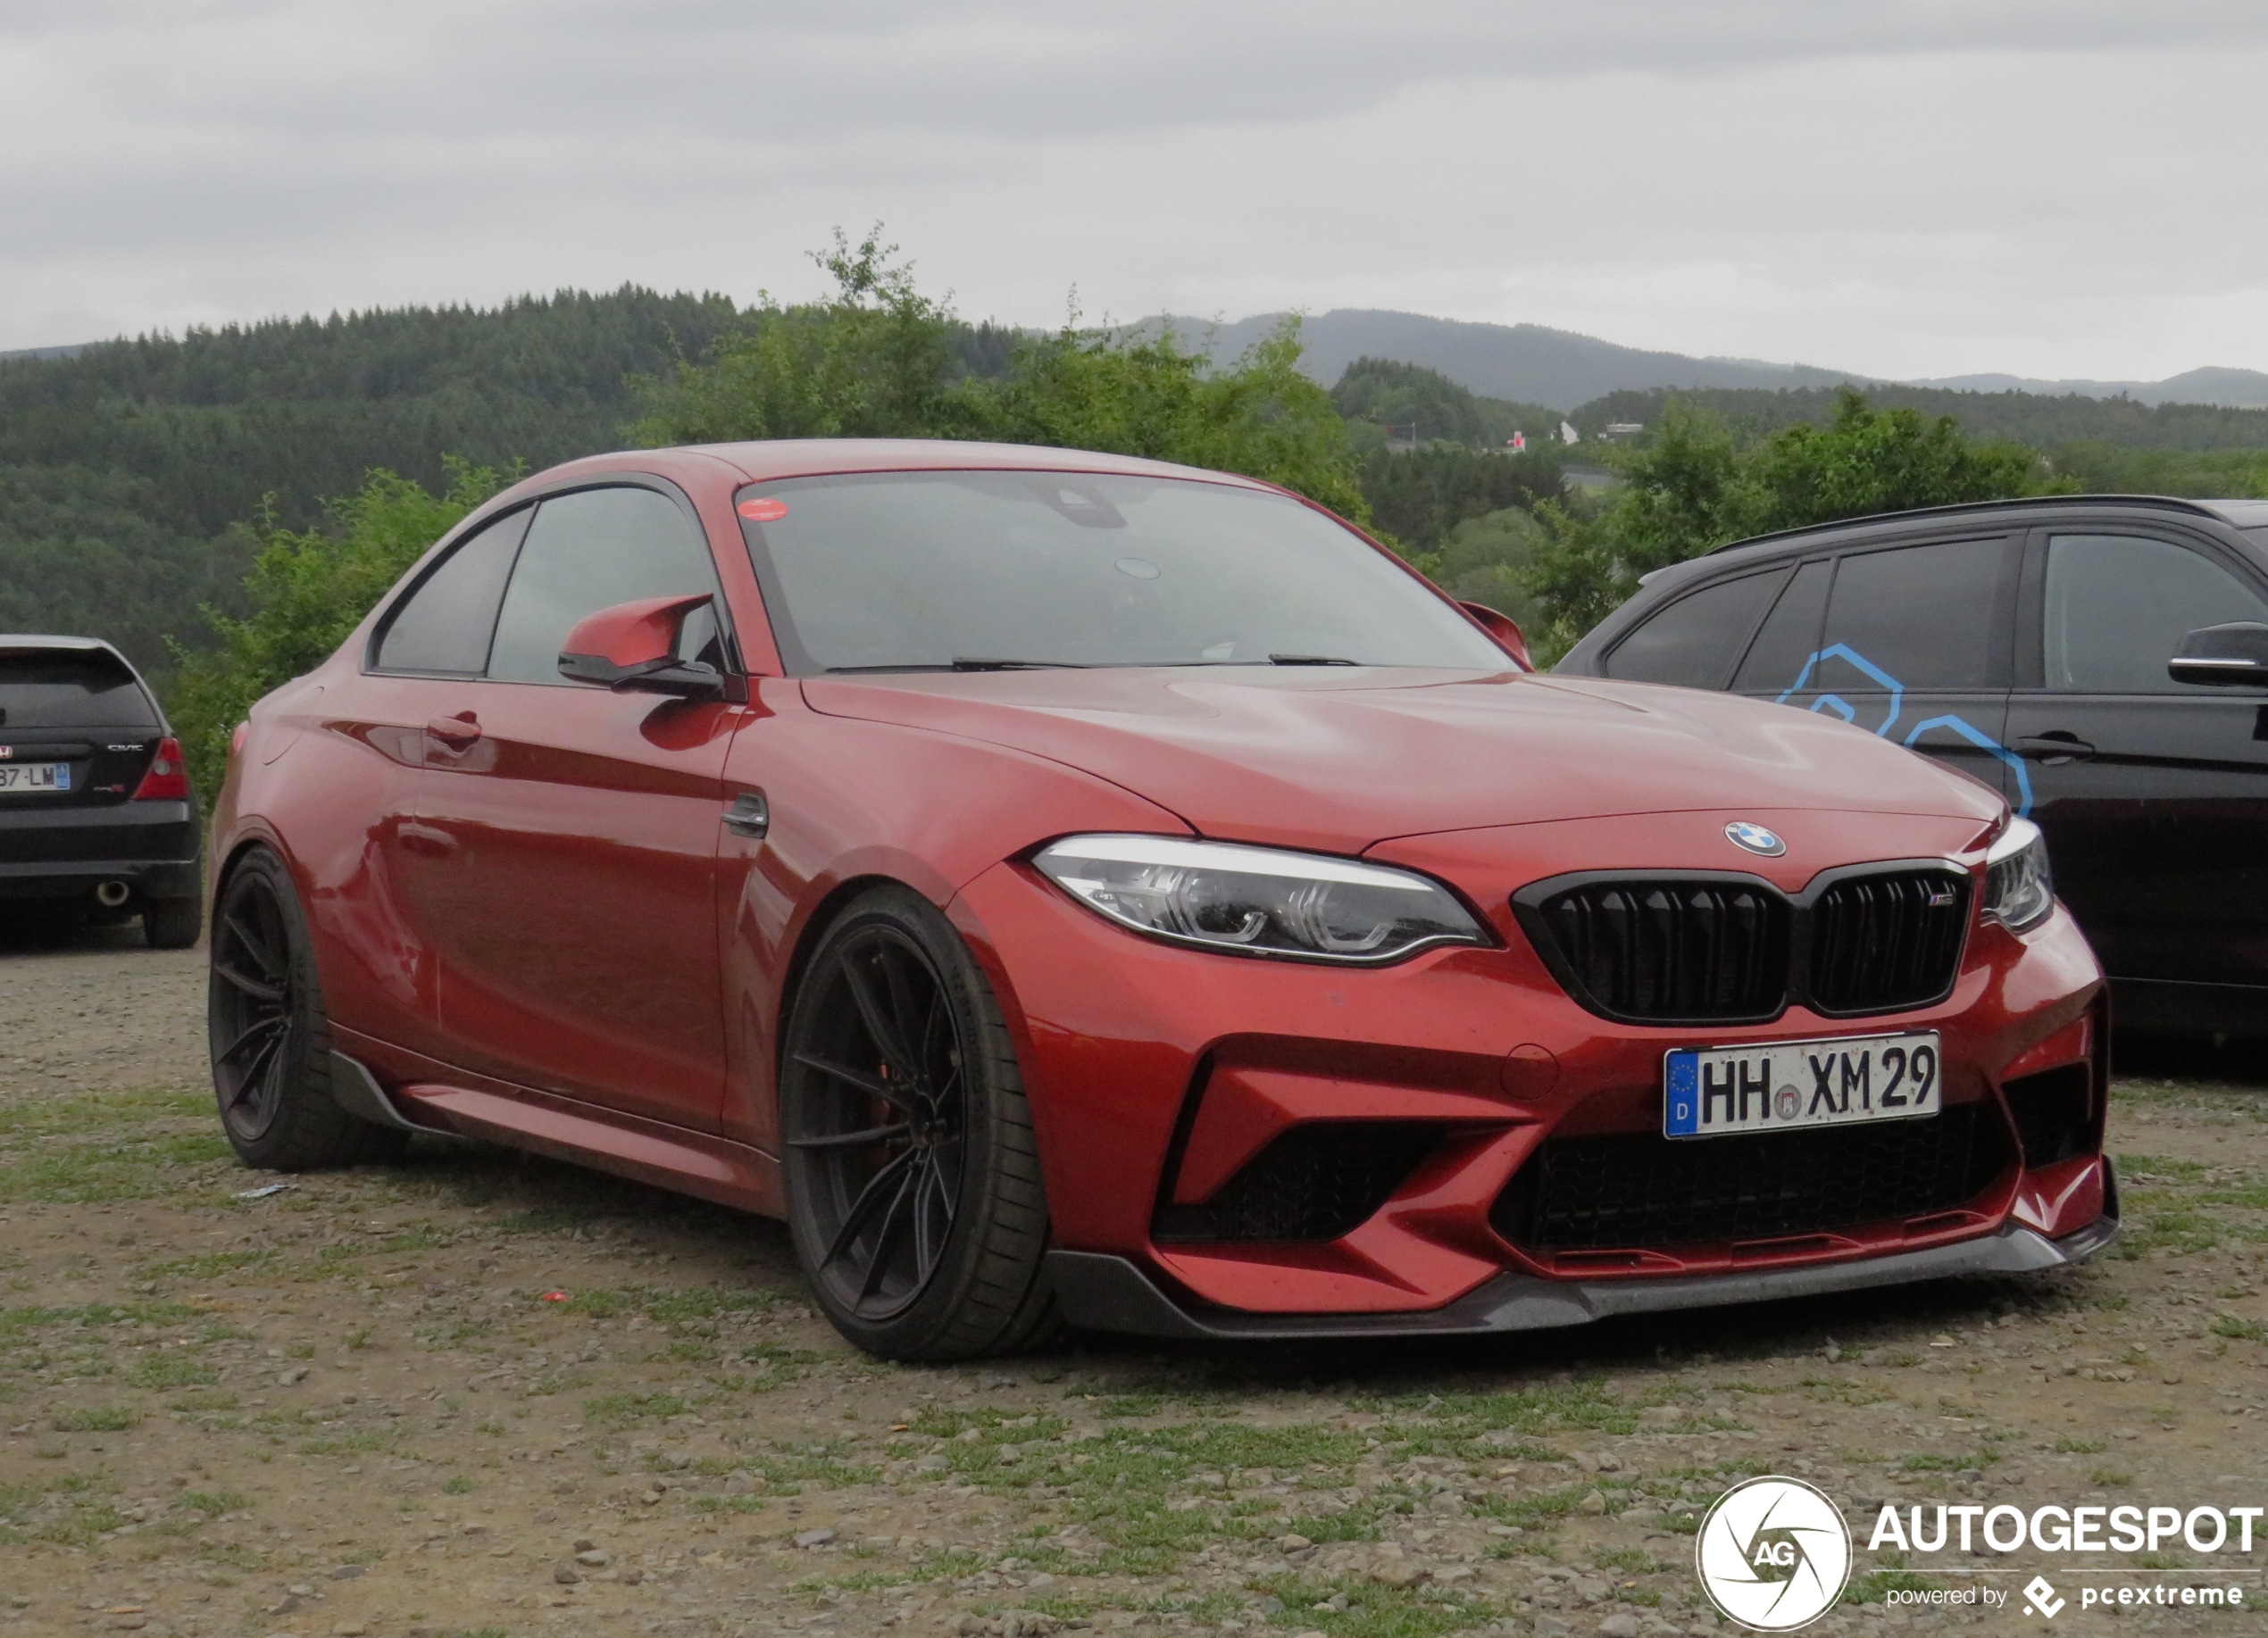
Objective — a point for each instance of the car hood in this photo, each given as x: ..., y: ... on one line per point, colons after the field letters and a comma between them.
x: 1341, y: 757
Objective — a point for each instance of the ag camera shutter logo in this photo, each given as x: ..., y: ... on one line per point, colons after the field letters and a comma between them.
x: 1774, y: 1554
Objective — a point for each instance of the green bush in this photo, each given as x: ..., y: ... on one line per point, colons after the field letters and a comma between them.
x: 307, y: 591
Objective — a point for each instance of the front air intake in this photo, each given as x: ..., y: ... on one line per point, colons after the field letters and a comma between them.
x: 1640, y: 1190
x: 1316, y: 1182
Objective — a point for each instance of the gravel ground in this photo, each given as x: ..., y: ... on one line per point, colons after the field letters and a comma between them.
x: 482, y: 1393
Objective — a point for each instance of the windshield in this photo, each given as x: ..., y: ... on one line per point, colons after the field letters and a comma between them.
x: 905, y: 570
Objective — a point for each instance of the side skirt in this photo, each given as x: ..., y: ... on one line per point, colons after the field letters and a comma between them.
x: 429, y: 1096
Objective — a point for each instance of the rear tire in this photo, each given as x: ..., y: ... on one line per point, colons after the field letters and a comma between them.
x: 270, y: 1037
x: 172, y: 924
x: 925, y: 1240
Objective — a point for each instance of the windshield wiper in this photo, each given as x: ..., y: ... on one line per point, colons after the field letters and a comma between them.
x: 963, y: 662
x: 1309, y: 659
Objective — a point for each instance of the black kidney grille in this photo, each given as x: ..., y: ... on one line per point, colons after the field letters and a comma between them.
x: 1882, y: 944
x: 1673, y: 950
x: 1315, y: 1181
x: 1632, y: 1191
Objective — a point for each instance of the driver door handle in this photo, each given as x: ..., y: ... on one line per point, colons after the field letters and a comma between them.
x: 2054, y: 746
x: 456, y: 732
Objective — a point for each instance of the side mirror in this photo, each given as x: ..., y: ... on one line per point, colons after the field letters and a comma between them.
x: 1504, y: 629
x: 632, y: 648
x: 2228, y: 655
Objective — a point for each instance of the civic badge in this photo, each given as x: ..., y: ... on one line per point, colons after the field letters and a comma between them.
x: 1756, y: 838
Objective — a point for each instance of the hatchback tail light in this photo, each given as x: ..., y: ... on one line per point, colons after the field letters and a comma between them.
x: 168, y: 779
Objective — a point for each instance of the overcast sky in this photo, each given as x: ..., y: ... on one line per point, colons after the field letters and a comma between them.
x: 2069, y: 188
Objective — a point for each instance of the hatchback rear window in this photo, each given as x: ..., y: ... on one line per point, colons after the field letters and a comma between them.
x: 51, y: 688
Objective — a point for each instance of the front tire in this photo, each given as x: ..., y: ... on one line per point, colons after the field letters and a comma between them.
x: 914, y: 1194
x: 271, y: 1038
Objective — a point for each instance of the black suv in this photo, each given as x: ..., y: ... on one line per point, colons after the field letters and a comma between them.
x: 96, y: 818
x: 2102, y: 660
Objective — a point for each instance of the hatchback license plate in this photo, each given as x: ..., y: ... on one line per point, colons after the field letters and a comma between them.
x: 28, y: 776
x: 1786, y: 1085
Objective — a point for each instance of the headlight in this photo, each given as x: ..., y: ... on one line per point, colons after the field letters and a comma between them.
x: 2018, y: 889
x: 1258, y: 901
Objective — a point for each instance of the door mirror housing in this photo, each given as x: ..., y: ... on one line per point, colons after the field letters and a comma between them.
x: 2229, y: 655
x: 632, y: 648
x: 1504, y: 629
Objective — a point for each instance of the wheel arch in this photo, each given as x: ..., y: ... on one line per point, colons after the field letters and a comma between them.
x: 823, y: 916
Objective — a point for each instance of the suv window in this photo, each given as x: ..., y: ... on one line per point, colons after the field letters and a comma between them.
x: 1694, y: 640
x: 1790, y: 634
x: 1925, y: 617
x: 71, y: 688
x: 588, y: 551
x: 2117, y: 607
x: 444, y: 625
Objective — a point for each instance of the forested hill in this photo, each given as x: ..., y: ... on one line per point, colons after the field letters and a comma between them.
x: 124, y: 466
x: 2028, y: 418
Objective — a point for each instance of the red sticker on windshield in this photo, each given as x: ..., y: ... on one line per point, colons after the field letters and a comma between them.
x: 763, y: 509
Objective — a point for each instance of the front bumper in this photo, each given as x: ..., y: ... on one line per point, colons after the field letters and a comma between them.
x: 1160, y: 1076
x: 1101, y: 1293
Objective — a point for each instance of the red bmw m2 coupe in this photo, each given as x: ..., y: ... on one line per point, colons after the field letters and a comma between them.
x: 1074, y: 890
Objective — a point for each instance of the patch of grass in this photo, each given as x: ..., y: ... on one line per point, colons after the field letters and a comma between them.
x: 208, y: 1265
x: 138, y: 1165
x: 1371, y: 1611
x: 160, y: 1368
x: 215, y: 1502
x: 16, y: 1323
x: 458, y: 1486
x: 96, y: 1419
x: 2082, y: 1447
x: 1125, y: 1405
x: 2242, y: 1330
x: 620, y: 1409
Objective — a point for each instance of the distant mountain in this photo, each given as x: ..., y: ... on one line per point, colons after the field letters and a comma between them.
x: 71, y: 350
x: 2237, y: 389
x: 1529, y: 363
x: 1526, y: 363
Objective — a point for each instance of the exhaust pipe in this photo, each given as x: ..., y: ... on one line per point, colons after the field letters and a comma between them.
x: 113, y: 894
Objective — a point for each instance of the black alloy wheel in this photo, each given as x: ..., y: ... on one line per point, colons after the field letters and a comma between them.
x: 271, y: 1039
x: 914, y: 1194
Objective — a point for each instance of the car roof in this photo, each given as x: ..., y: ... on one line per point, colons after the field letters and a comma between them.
x: 762, y: 460
x: 35, y: 643
x: 2220, y: 510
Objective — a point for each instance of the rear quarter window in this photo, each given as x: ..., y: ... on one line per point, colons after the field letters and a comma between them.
x: 51, y: 688
x: 1694, y: 640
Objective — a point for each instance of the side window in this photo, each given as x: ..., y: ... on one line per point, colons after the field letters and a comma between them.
x: 1917, y: 617
x: 444, y: 625
x: 1694, y: 640
x: 2116, y: 608
x: 588, y: 551
x: 1790, y: 635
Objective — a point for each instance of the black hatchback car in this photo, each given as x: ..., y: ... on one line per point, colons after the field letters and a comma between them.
x: 2103, y: 662
x: 97, y: 817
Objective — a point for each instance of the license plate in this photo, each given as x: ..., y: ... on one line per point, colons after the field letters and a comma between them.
x: 1786, y: 1085
x: 25, y: 777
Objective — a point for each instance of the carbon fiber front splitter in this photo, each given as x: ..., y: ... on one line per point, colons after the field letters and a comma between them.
x: 1104, y: 1293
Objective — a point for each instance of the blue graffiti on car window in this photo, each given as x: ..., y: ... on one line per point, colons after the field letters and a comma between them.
x: 1842, y: 708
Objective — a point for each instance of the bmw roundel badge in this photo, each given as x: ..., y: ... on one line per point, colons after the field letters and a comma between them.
x: 1756, y: 838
